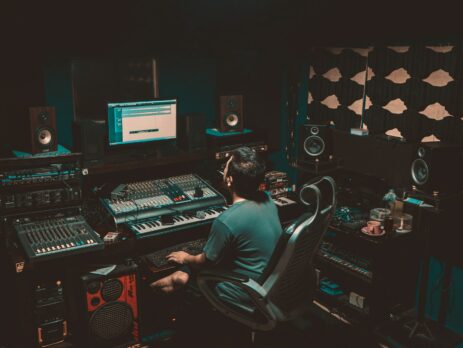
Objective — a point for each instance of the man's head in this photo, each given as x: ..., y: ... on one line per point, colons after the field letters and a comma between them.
x: 244, y: 172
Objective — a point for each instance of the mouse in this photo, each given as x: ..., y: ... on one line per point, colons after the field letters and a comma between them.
x: 198, y: 192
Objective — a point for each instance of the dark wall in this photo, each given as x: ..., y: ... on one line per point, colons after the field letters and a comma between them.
x: 21, y: 86
x: 197, y: 80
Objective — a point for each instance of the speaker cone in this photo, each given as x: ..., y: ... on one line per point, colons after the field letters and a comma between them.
x: 314, y: 146
x: 420, y: 171
x: 111, y: 290
x: 314, y: 130
x: 231, y: 103
x: 421, y: 152
x: 43, y: 118
x: 111, y: 321
x: 231, y: 120
x: 45, y: 137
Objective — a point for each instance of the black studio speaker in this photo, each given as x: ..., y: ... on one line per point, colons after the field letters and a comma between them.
x: 315, y: 142
x: 43, y: 135
x: 436, y: 167
x: 231, y: 113
x: 192, y: 131
x: 90, y: 138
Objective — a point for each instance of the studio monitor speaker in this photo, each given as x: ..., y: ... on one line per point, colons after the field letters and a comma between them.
x: 315, y: 142
x: 192, y: 131
x: 106, y: 308
x: 436, y: 167
x: 43, y: 135
x: 90, y: 138
x: 231, y: 113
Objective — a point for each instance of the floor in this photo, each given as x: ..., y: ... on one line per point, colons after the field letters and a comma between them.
x: 212, y: 330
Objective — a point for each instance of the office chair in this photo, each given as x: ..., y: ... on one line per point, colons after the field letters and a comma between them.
x: 285, y: 289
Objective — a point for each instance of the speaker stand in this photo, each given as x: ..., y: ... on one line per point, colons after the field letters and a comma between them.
x: 418, y: 327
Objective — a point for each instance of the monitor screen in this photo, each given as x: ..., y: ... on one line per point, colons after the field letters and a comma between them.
x: 142, y: 121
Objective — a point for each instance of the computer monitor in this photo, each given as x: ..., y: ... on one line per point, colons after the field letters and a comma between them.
x: 142, y: 121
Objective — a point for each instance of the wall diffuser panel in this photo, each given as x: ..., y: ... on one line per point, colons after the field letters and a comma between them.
x: 411, y: 91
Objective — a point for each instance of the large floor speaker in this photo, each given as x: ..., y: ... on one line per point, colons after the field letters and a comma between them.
x: 231, y: 113
x: 105, y: 312
x: 315, y: 142
x: 436, y: 168
x: 192, y: 131
x: 43, y: 135
x: 90, y: 138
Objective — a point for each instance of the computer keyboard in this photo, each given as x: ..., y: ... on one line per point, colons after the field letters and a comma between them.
x: 158, y: 258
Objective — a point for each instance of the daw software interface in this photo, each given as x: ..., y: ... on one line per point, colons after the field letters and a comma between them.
x: 142, y: 121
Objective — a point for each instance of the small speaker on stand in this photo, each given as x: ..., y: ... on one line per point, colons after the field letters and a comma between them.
x: 231, y: 113
x: 43, y: 134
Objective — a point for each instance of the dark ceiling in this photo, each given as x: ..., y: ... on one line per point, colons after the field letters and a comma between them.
x: 145, y: 26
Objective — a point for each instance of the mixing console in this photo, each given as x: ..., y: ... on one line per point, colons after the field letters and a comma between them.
x: 55, y: 237
x: 152, y: 198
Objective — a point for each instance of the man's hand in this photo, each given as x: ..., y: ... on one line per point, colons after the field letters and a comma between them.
x: 179, y: 257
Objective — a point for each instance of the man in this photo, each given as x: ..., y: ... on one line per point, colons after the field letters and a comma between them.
x: 242, y: 238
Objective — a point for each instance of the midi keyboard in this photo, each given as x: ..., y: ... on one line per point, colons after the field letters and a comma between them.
x: 168, y: 223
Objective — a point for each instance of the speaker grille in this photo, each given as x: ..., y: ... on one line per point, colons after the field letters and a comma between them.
x: 420, y: 171
x: 314, y: 145
x: 111, y: 290
x: 111, y: 321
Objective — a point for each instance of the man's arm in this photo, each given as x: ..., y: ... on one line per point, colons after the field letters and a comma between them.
x: 184, y: 258
x: 216, y: 246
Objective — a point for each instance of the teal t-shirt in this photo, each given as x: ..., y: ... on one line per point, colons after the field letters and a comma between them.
x: 242, y: 239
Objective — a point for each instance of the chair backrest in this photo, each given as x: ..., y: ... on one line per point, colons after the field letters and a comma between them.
x: 291, y: 284
x: 286, y: 286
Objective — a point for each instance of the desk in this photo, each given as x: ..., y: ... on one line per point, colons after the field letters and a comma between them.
x: 20, y: 323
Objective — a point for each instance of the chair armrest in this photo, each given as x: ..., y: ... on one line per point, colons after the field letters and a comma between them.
x: 223, y: 275
x: 238, y: 312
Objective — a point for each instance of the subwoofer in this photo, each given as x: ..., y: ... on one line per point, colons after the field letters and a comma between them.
x: 90, y: 138
x: 231, y: 113
x: 106, y: 309
x: 43, y: 135
x: 315, y: 142
x: 436, y: 168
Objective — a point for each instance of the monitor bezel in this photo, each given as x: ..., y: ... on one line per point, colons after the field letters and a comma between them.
x: 138, y: 144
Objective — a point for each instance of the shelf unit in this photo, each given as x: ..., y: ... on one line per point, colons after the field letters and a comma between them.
x: 391, y: 261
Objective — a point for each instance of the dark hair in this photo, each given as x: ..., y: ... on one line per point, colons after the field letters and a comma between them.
x: 248, y: 172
